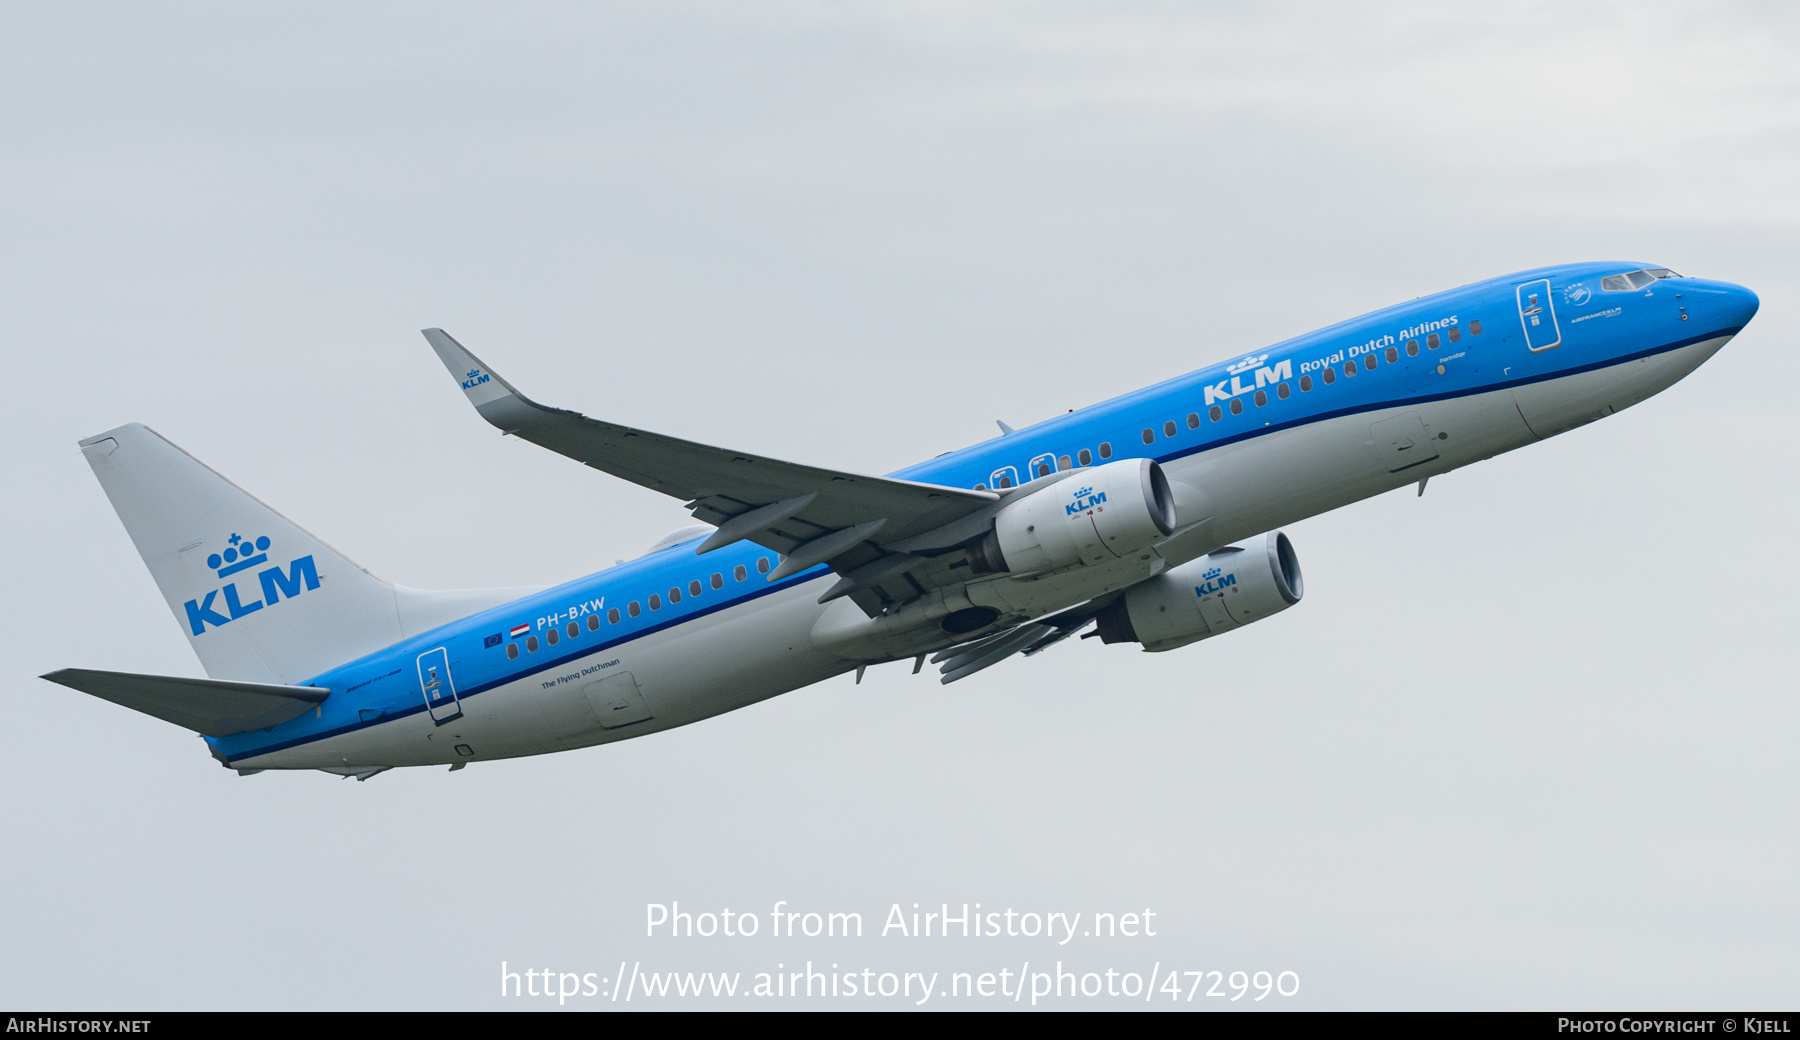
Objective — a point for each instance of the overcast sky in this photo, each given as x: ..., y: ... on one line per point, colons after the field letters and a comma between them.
x: 1528, y: 742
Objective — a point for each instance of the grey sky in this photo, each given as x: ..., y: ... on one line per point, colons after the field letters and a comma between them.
x: 1527, y: 743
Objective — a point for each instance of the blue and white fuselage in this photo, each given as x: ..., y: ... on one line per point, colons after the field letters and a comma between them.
x: 1259, y: 441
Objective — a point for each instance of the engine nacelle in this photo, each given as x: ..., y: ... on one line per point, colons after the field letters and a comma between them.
x: 1216, y: 593
x: 1097, y: 516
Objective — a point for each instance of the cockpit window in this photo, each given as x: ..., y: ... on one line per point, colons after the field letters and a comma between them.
x: 1635, y: 280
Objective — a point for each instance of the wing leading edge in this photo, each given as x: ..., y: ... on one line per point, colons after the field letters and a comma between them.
x: 809, y: 515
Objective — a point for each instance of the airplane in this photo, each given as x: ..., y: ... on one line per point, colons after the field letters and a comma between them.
x: 1151, y: 519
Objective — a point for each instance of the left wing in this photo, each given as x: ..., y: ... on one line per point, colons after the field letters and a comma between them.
x: 808, y: 514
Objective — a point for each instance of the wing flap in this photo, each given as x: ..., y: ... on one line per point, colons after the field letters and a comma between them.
x: 215, y: 707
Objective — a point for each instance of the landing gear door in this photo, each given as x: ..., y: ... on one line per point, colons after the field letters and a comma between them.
x: 439, y: 689
x: 1537, y: 312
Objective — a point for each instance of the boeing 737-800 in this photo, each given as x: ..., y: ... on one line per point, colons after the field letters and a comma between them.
x: 1152, y: 518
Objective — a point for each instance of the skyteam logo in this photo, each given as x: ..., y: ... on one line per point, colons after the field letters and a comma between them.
x: 475, y: 378
x: 1085, y: 499
x: 241, y: 554
x: 1577, y: 294
x: 1214, y: 580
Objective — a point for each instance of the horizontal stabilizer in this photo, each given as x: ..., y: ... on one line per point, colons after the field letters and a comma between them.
x: 215, y: 707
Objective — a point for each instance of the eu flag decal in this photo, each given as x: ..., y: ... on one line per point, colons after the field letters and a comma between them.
x: 491, y: 641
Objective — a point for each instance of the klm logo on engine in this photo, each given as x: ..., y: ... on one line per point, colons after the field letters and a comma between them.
x: 475, y: 378
x: 241, y: 554
x: 1211, y: 582
x: 1085, y: 499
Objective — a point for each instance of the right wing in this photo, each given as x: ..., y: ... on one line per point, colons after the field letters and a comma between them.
x: 808, y: 514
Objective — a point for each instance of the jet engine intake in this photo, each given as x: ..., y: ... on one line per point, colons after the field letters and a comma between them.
x: 1097, y: 516
x: 1223, y: 590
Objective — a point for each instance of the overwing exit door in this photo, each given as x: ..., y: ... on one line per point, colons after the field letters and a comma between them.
x: 1538, y: 314
x: 439, y: 690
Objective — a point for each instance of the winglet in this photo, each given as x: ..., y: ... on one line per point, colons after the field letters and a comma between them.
x: 482, y: 384
x: 495, y: 399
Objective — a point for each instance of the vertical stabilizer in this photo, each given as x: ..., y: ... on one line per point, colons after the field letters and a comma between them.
x: 258, y: 598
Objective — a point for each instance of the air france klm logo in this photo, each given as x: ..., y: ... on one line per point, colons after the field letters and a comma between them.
x: 1211, y: 582
x: 1085, y: 499
x: 1226, y: 389
x: 475, y: 378
x: 241, y: 554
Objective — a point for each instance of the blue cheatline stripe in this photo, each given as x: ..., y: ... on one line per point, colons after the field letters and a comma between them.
x: 1487, y: 388
x: 821, y: 570
x: 545, y: 664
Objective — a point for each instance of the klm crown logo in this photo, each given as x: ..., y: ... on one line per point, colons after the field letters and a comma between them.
x: 1211, y: 582
x: 276, y: 583
x: 241, y: 554
x: 475, y: 378
x: 1084, y: 499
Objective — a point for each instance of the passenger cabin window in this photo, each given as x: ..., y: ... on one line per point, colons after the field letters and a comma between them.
x: 762, y: 565
x: 1086, y: 457
x: 1065, y: 462
x: 1330, y: 376
x: 655, y: 601
x: 1454, y: 333
x: 978, y: 487
x: 718, y: 581
x: 1237, y: 406
x: 594, y: 621
x: 1475, y: 327
x: 1105, y: 449
x: 612, y: 616
x: 1432, y: 341
x: 1169, y: 428
x: 693, y: 588
x: 551, y: 636
x: 1193, y: 420
x: 531, y: 644
x: 512, y: 651
x: 1305, y: 383
x: 1214, y: 414
x: 1261, y: 399
x: 674, y: 595
x: 1281, y: 391
x: 633, y: 609
x: 573, y: 630
x: 1412, y: 348
x: 1369, y: 362
x: 738, y: 573
x: 1149, y: 436
x: 1349, y: 368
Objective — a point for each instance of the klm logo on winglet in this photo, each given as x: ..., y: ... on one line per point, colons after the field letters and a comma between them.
x: 242, y: 554
x: 475, y: 378
x: 1084, y: 499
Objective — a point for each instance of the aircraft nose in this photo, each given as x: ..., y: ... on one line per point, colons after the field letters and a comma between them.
x: 1740, y: 304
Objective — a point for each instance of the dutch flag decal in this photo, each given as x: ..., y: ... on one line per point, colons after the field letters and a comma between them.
x: 519, y: 630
